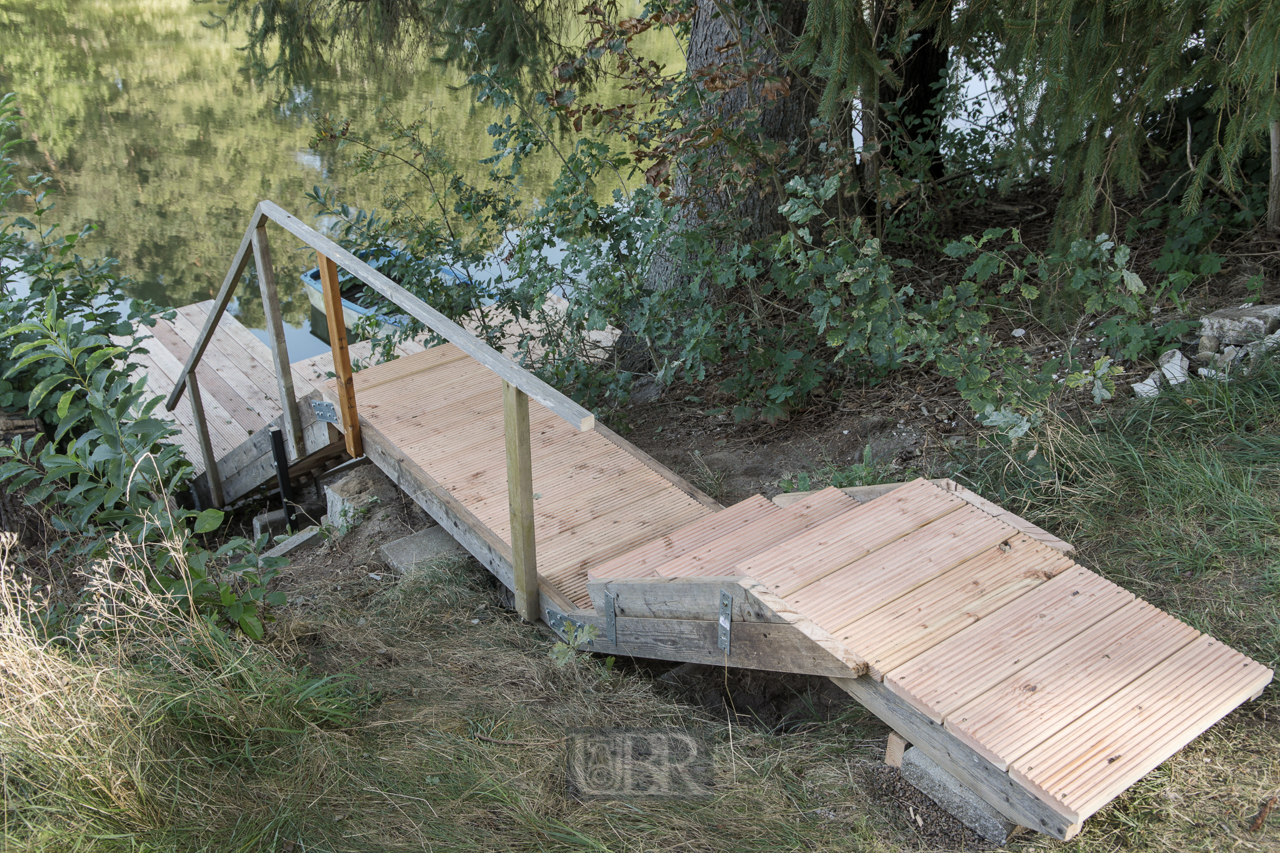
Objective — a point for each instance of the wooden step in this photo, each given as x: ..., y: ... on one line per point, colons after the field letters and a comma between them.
x: 910, y: 625
x: 722, y: 556
x: 792, y: 564
x: 642, y: 562
x: 1026, y: 709
x: 1094, y: 759
x: 840, y: 597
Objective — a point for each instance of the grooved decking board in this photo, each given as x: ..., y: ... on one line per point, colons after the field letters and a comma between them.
x: 826, y: 548
x: 1094, y: 759
x: 1013, y: 717
x: 910, y: 625
x: 593, y: 500
x: 842, y: 596
x: 981, y: 656
x: 643, y: 561
x: 722, y: 556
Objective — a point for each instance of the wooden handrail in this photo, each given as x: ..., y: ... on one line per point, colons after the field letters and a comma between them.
x: 503, y: 366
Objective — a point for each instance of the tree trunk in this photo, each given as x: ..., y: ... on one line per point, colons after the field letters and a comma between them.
x: 784, y: 119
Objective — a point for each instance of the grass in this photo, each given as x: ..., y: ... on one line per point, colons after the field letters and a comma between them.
x: 1177, y: 499
x: 157, y: 734
x: 868, y: 472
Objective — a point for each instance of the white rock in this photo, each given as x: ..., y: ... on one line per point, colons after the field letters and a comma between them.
x: 1174, y: 365
x: 1257, y: 348
x: 1017, y: 333
x: 1148, y: 387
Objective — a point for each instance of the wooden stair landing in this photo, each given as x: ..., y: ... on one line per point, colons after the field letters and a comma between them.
x: 1041, y: 672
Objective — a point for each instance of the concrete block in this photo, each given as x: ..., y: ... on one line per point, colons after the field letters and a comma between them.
x: 294, y: 542
x: 1150, y: 386
x: 273, y: 522
x: 963, y: 804
x: 351, y: 498
x: 417, y: 548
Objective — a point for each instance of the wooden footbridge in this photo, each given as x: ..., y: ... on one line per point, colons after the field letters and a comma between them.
x: 1044, y: 688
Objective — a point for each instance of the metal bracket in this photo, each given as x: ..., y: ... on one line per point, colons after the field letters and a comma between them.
x: 726, y: 620
x: 325, y: 412
x: 610, y: 619
x: 562, y: 624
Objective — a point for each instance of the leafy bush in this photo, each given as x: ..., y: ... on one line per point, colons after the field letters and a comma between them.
x: 107, y: 472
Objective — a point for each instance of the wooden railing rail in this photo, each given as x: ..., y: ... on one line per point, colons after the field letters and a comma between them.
x: 519, y: 385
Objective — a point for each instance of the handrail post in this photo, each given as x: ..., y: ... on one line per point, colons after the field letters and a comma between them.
x: 206, y: 443
x: 275, y: 336
x: 341, y: 355
x: 524, y: 561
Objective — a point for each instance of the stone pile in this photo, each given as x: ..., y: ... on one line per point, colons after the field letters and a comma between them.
x: 1226, y: 338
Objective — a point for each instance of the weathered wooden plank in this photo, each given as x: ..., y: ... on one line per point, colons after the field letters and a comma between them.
x: 206, y: 446
x: 819, y: 637
x: 524, y: 555
x: 276, y: 339
x: 1097, y: 756
x: 1025, y: 710
x: 504, y: 367
x: 343, y: 382
x: 773, y: 647
x: 981, y: 656
x: 889, y: 572
x: 252, y: 463
x: 695, y: 599
x: 216, y: 378
x: 908, y: 626
x: 722, y: 556
x: 998, y: 512
x: 642, y: 562
x: 865, y: 494
x: 220, y: 302
x: 808, y: 558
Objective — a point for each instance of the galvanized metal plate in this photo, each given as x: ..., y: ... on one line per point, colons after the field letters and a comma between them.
x: 726, y: 620
x: 325, y: 412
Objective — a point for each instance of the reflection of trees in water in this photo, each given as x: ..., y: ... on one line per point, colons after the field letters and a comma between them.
x: 154, y: 134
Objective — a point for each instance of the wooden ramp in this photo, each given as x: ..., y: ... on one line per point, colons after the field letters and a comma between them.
x: 979, y: 641
x: 1036, y: 683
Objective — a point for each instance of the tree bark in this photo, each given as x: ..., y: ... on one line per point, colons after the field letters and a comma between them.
x: 1273, y: 192
x: 784, y: 119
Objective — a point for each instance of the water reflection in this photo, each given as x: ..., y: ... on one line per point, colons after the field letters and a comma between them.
x: 151, y: 132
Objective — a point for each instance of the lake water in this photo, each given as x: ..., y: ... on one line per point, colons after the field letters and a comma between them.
x: 152, y: 132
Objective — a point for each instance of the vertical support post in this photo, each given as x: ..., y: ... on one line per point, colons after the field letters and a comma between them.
x: 275, y: 336
x: 206, y: 443
x: 515, y: 407
x: 341, y: 355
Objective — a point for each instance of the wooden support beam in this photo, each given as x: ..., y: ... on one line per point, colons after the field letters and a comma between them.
x: 993, y: 785
x: 238, y: 263
x: 275, y: 337
x: 206, y: 444
x: 755, y: 645
x: 341, y: 355
x: 697, y: 599
x: 524, y: 559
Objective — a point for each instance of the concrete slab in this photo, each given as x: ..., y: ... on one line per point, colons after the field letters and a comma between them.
x: 295, y: 541
x: 417, y: 548
x: 963, y: 804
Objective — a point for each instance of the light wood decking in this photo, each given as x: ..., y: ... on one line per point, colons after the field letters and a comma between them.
x: 1040, y: 685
